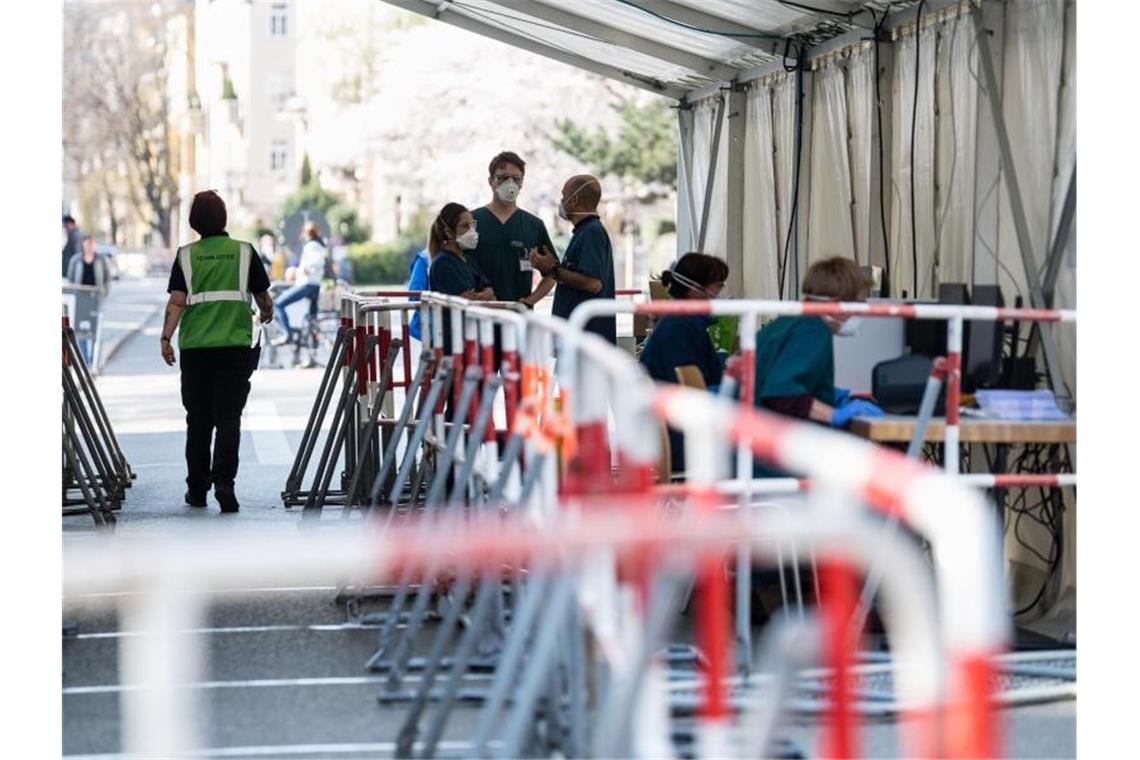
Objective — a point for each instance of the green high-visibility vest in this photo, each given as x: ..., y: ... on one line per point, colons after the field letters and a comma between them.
x: 218, y: 311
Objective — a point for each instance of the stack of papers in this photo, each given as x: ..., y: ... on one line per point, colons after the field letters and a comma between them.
x: 1020, y: 405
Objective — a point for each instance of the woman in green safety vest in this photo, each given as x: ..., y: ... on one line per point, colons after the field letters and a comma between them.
x: 212, y: 282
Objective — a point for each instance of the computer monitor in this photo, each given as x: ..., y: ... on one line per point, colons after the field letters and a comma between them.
x: 981, y: 360
x: 878, y: 339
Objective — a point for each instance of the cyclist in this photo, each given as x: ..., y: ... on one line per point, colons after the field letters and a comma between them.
x: 307, y: 283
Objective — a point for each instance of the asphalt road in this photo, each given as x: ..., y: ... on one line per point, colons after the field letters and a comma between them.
x: 262, y: 643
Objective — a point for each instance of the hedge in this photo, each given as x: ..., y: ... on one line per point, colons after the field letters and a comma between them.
x: 383, y: 264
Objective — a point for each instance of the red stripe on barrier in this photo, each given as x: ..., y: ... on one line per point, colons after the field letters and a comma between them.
x: 1039, y: 315
x: 1026, y: 481
x: 713, y: 623
x: 840, y: 595
x: 588, y: 471
x: 939, y: 369
x: 953, y: 387
x: 511, y: 386
x: 674, y: 307
x: 971, y: 727
x: 470, y: 359
x: 828, y: 308
x: 886, y: 483
x: 405, y: 348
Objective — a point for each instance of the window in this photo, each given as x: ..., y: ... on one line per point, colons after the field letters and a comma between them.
x: 278, y: 16
x: 278, y: 155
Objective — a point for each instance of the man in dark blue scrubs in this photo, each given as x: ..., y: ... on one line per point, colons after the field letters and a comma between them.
x: 587, y: 268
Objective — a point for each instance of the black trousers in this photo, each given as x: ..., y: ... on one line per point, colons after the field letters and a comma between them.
x: 215, y: 386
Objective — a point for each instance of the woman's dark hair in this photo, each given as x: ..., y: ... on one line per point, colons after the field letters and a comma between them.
x: 444, y: 226
x: 208, y: 214
x: 698, y: 267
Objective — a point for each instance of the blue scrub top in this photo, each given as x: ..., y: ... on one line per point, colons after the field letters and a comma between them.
x: 418, y: 280
x: 675, y: 342
x: 452, y: 275
x: 591, y: 253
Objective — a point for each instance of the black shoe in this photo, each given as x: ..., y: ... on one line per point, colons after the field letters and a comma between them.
x: 195, y: 500
x: 226, y: 498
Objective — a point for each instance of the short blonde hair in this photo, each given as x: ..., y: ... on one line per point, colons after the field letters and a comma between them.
x: 837, y: 278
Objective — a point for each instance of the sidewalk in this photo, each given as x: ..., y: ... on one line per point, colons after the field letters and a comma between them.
x: 129, y: 307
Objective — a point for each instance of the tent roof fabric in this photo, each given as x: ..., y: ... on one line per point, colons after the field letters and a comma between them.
x: 672, y: 47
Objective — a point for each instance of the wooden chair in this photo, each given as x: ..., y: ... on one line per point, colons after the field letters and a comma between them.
x: 689, y: 375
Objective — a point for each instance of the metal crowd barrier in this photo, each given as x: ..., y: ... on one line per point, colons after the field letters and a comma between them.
x: 95, y: 471
x: 556, y: 579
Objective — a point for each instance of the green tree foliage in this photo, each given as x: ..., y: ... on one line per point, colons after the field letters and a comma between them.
x: 345, y: 222
x: 306, y: 171
x: 644, y: 149
x: 385, y: 264
x: 343, y: 219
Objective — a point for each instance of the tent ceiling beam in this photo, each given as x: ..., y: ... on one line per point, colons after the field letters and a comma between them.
x: 706, y: 67
x: 449, y: 14
x: 698, y: 18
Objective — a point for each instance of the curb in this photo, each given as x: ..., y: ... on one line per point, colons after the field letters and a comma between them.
x: 112, y: 348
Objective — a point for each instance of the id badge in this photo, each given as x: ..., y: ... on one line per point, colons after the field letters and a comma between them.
x: 525, y: 265
x: 520, y: 253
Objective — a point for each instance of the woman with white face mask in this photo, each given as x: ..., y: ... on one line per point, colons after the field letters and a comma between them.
x: 452, y: 271
x: 795, y: 364
x: 683, y: 339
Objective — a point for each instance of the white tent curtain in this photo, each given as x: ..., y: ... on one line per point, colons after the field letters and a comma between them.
x: 704, y: 127
x: 860, y: 129
x: 767, y: 184
x: 905, y: 247
x: 784, y: 160
x: 830, y: 231
x: 956, y: 120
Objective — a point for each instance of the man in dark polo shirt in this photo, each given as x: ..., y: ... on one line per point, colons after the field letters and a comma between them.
x: 587, y: 268
x: 507, y: 234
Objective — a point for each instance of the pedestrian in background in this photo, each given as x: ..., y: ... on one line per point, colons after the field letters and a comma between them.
x: 71, y: 241
x: 418, y: 281
x: 88, y: 268
x: 307, y: 283
x: 211, y: 283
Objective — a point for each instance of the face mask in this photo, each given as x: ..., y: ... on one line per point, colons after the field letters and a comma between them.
x: 850, y: 327
x: 508, y: 191
x: 562, y: 211
x: 468, y: 240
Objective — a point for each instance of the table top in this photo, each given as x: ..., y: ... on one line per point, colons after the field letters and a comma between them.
x: 900, y: 428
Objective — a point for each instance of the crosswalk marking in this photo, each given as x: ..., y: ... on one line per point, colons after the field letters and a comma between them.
x: 265, y: 425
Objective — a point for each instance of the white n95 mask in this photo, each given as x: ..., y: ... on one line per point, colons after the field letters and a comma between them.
x: 468, y: 240
x: 508, y: 191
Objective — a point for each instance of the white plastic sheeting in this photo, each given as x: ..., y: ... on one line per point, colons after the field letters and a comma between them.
x: 704, y: 129
x: 957, y: 103
x: 831, y: 231
x: 768, y: 156
x: 840, y: 183
x: 912, y: 238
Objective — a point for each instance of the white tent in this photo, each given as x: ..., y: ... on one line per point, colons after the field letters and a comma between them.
x: 935, y: 139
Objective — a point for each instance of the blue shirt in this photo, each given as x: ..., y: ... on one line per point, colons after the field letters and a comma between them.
x: 675, y: 342
x: 452, y: 275
x: 589, y: 253
x: 418, y: 280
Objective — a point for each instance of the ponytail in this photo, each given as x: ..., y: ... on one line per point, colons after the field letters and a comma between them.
x: 443, y: 226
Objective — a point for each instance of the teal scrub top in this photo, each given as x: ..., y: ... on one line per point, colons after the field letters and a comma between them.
x: 794, y: 357
x: 501, y: 253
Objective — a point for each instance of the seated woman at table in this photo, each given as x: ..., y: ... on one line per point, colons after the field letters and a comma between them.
x: 679, y: 340
x: 795, y: 362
